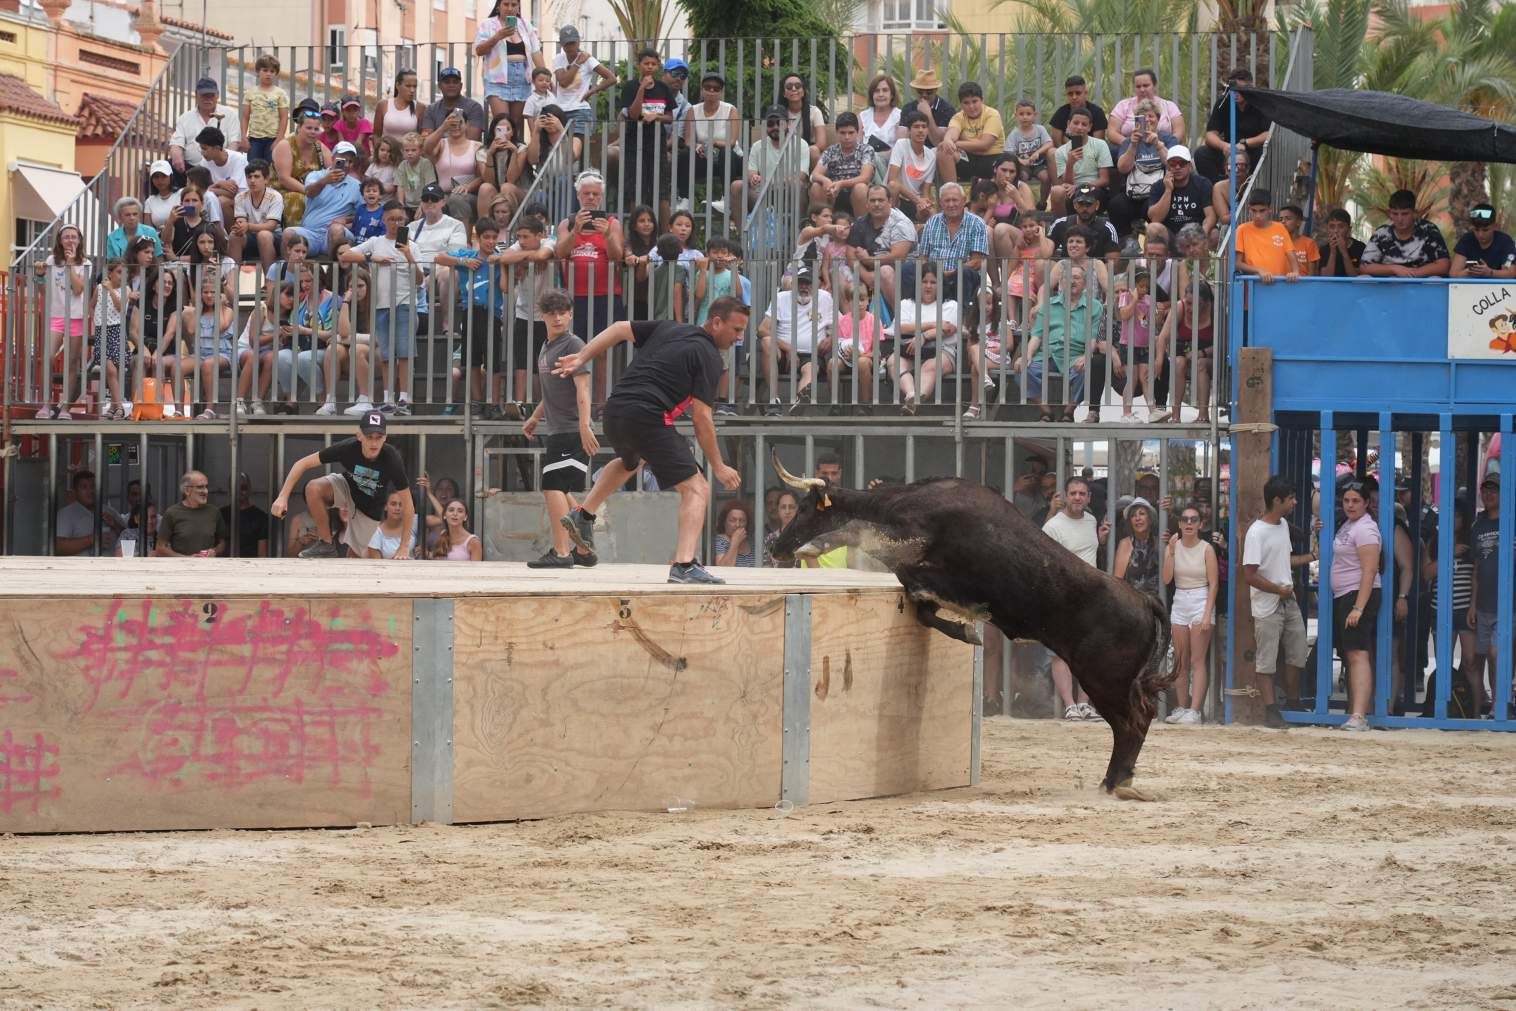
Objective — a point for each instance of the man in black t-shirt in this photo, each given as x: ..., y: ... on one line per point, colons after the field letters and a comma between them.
x: 1077, y: 92
x: 1252, y: 129
x: 371, y: 469
x: 1086, y: 201
x: 252, y: 522
x: 647, y: 104
x: 1182, y: 196
x: 676, y: 368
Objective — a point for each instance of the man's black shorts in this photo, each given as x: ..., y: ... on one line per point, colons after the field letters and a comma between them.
x: 564, y: 463
x: 666, y: 452
x: 527, y: 338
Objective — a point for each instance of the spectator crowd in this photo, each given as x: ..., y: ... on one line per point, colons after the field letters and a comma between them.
x: 321, y: 247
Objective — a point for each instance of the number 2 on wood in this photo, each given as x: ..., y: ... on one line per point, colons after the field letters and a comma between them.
x: 210, y: 613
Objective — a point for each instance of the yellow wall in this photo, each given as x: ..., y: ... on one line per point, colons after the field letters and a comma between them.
x: 977, y: 17
x: 24, y: 139
x: 27, y: 57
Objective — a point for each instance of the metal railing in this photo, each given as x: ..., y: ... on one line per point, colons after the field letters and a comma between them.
x: 913, y: 335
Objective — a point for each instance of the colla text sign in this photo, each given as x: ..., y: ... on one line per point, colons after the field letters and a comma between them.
x: 1482, y: 321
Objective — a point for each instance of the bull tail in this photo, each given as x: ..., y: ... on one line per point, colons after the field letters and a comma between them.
x: 1153, y: 679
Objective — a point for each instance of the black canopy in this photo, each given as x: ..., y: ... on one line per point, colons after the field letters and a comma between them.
x: 1377, y: 122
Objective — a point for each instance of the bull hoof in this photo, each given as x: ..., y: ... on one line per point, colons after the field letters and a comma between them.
x: 971, y: 636
x: 1126, y: 791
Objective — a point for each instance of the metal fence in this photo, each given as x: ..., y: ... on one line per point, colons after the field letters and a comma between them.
x: 827, y: 335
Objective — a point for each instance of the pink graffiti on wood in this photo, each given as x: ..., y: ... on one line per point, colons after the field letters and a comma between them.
x: 25, y: 768
x: 7, y: 699
x: 220, y: 698
x: 233, y: 746
x: 183, y: 646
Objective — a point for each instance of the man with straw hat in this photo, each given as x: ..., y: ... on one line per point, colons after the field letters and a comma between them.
x: 932, y: 105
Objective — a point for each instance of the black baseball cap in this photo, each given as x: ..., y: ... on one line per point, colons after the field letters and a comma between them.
x: 1086, y: 195
x: 1490, y: 481
x: 1482, y: 214
x: 433, y: 192
x: 447, y: 72
x: 372, y: 421
x: 774, y: 112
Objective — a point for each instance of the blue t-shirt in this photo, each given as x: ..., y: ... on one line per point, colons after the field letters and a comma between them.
x: 477, y: 285
x: 333, y: 201
x: 367, y: 223
x: 1502, y: 251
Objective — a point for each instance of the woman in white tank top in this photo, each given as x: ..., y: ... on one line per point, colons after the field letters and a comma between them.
x: 1190, y: 564
x: 398, y: 115
x: 708, y: 141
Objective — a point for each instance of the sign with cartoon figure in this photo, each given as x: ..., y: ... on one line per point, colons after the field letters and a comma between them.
x: 1482, y: 321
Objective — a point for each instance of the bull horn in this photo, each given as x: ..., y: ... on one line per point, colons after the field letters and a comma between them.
x: 802, y: 484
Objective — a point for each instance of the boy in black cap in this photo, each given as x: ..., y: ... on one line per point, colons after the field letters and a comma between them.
x: 370, y: 470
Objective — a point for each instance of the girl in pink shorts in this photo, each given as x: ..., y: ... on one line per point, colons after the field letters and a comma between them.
x: 65, y: 275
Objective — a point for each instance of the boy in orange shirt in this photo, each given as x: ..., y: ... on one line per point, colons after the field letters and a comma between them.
x: 1307, y: 253
x: 1264, y: 246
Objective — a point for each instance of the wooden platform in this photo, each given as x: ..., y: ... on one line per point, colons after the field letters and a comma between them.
x: 176, y: 693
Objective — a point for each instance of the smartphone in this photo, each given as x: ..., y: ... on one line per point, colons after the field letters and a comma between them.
x: 510, y: 21
x: 403, y: 237
x: 1077, y: 142
x: 340, y: 163
x: 599, y: 215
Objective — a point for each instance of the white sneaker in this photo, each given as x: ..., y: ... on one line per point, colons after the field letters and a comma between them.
x: 684, y: 205
x: 327, y: 409
x: 1355, y: 723
x: 359, y: 409
x: 1087, y: 712
x: 256, y: 406
x: 719, y: 206
x: 170, y: 411
x: 45, y: 413
x: 1072, y: 714
x: 239, y: 407
x: 1174, y: 715
x: 1190, y: 717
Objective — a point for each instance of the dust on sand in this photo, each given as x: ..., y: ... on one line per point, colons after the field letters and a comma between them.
x: 1305, y: 867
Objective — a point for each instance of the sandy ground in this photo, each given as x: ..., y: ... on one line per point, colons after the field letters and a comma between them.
x: 1318, y: 869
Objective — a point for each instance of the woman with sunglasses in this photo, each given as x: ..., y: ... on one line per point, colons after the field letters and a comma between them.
x: 296, y: 157
x: 805, y: 117
x: 1191, y: 565
x: 1355, y: 598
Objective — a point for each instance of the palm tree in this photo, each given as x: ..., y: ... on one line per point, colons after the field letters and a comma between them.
x: 643, y: 22
x: 1339, y: 28
x: 1462, y: 59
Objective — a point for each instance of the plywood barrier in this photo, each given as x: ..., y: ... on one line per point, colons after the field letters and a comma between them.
x: 149, y: 713
x: 338, y: 694
x: 891, y: 702
x: 616, y: 703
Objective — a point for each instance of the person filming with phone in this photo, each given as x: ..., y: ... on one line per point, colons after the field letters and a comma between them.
x: 330, y: 195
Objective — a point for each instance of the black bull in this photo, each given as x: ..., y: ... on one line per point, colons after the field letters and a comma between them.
x: 960, y: 547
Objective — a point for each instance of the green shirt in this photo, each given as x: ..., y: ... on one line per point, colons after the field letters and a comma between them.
x: 1062, y: 326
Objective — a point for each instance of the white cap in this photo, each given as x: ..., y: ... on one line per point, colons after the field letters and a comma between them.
x: 1180, y: 151
x: 344, y: 147
x: 160, y: 166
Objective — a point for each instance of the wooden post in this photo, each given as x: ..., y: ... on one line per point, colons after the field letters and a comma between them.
x: 1252, y: 438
